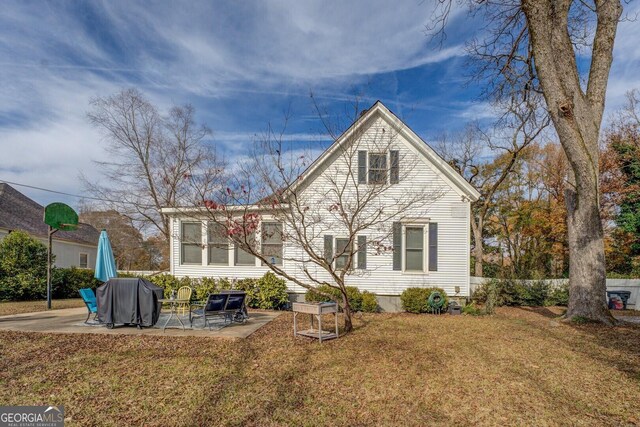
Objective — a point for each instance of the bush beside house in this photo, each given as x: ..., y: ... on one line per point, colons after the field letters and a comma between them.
x: 416, y: 300
x: 268, y: 292
x: 23, y: 267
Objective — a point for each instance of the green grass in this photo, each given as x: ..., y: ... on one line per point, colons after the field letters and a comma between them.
x: 518, y: 367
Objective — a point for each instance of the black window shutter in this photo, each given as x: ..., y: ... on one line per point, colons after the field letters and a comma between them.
x: 362, y: 252
x: 394, y: 173
x: 397, y: 246
x: 328, y: 248
x: 433, y: 246
x: 362, y: 167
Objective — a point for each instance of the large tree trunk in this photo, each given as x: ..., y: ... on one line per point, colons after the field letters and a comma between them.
x: 577, y: 117
x: 587, y: 272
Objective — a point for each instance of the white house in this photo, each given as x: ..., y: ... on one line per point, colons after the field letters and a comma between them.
x: 424, y: 244
x: 76, y: 248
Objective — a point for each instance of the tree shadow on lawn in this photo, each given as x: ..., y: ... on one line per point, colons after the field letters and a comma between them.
x: 623, y: 338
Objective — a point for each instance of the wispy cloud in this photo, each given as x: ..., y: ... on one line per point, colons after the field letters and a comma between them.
x: 240, y: 63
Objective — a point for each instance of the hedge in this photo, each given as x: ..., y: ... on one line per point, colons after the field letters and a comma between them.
x: 517, y: 293
x: 358, y: 301
x: 268, y: 292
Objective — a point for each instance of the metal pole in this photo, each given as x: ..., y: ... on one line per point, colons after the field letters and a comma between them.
x: 49, y: 259
x: 49, y: 270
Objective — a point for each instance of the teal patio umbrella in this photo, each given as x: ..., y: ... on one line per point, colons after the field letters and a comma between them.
x: 105, y: 263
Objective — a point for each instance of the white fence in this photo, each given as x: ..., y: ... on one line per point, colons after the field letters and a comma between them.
x: 631, y: 285
x: 143, y: 272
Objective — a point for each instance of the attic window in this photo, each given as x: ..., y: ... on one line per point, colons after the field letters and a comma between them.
x: 377, y: 168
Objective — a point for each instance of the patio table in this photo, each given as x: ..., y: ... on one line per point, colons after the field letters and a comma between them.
x: 173, y: 306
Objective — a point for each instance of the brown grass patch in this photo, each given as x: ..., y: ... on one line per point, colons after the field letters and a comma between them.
x: 18, y: 307
x: 518, y: 367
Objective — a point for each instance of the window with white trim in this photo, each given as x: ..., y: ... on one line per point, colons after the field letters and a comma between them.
x: 218, y: 244
x: 377, y: 168
x: 272, y: 242
x: 342, y: 245
x: 414, y: 248
x: 191, y: 243
x: 243, y: 257
x: 84, y: 260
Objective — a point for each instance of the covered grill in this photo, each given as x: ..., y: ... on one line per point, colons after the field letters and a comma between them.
x: 129, y: 301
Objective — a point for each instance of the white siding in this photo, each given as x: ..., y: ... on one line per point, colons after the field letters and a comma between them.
x: 450, y: 211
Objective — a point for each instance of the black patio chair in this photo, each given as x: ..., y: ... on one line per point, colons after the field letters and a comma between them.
x: 214, y: 307
x: 236, y: 306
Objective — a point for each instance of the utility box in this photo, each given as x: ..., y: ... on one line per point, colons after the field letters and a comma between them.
x: 455, y: 309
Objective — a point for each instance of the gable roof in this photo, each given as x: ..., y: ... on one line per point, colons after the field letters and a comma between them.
x: 18, y: 212
x: 378, y: 108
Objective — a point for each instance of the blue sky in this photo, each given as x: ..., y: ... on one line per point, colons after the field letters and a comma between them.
x: 241, y: 64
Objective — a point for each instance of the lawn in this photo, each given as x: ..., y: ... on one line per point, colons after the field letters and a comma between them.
x: 8, y: 308
x: 518, y: 367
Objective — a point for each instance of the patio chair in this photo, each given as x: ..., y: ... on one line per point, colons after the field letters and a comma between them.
x: 236, y: 308
x: 184, y: 293
x: 89, y: 299
x: 213, y: 307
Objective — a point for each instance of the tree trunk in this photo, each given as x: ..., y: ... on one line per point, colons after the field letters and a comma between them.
x: 577, y: 117
x: 478, y: 249
x: 346, y: 310
x: 587, y: 269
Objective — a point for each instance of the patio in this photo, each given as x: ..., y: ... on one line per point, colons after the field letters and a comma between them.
x: 71, y: 320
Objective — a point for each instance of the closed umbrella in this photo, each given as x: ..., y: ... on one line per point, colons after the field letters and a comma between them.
x: 105, y: 263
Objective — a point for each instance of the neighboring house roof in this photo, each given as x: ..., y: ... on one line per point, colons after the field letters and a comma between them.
x: 18, y: 212
x: 378, y: 108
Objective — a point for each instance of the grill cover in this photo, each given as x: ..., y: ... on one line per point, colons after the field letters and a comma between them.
x: 129, y: 301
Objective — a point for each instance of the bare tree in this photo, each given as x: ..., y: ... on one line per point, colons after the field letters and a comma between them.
x: 521, y: 122
x: 531, y: 47
x: 128, y: 243
x: 307, y: 208
x: 154, y: 161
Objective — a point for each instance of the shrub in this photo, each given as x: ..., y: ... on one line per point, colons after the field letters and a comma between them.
x: 169, y: 282
x: 249, y: 286
x: 559, y: 295
x: 472, y: 310
x: 510, y: 292
x: 270, y: 293
x: 204, y: 287
x: 65, y: 282
x: 416, y: 300
x: 23, y: 267
x: 369, y: 302
x: 354, y: 296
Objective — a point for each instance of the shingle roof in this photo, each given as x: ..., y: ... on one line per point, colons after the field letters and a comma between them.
x: 18, y: 212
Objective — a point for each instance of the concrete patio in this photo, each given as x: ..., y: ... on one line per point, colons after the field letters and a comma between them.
x: 71, y: 320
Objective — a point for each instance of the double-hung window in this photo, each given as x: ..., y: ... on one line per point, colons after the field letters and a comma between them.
x: 414, y: 248
x: 377, y: 168
x: 343, y: 251
x: 243, y: 257
x: 218, y: 244
x: 410, y: 247
x: 191, y: 243
x: 272, y: 245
